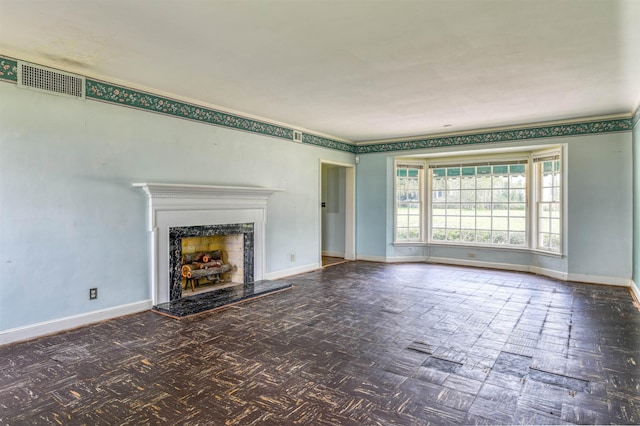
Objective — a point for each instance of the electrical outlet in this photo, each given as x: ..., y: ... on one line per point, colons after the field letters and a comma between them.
x: 293, y: 256
x: 93, y: 293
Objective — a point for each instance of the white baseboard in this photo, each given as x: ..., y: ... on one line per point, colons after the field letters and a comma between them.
x: 564, y: 276
x: 333, y: 254
x: 479, y: 263
x: 595, y: 279
x: 369, y: 258
x: 54, y: 326
x: 292, y: 271
x: 635, y: 290
x: 406, y: 259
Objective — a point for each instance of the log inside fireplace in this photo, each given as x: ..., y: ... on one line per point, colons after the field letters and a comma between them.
x: 204, y: 265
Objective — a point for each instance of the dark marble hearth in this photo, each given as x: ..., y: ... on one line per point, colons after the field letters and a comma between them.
x: 213, y: 299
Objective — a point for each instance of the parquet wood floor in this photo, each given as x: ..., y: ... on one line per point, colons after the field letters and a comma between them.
x: 355, y: 344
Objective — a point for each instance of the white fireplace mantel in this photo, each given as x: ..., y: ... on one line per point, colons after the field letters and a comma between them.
x: 178, y: 190
x: 178, y: 205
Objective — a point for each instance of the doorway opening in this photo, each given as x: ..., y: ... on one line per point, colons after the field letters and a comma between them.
x: 337, y: 213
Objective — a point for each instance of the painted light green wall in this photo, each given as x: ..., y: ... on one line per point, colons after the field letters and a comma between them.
x: 70, y: 220
x: 599, y: 176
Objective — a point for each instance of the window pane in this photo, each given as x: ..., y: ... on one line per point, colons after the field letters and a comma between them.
x: 438, y: 221
x: 544, y: 225
x: 401, y: 172
x: 402, y: 196
x: 402, y: 221
x: 453, y: 221
x: 517, y: 238
x: 468, y: 196
x: 483, y: 196
x: 438, y: 184
x: 500, y: 223
x: 468, y: 222
x: 483, y: 237
x: 483, y: 209
x: 517, y: 224
x: 499, y: 237
x: 483, y: 223
x: 438, y: 235
x: 517, y: 181
x: 500, y: 210
x: 483, y: 182
x: 468, y: 209
x: 453, y: 183
x: 500, y: 182
x: 500, y: 195
x: 439, y: 208
x: 517, y: 168
x: 453, y: 196
x: 500, y: 170
x: 468, y: 236
x: 517, y: 195
x: 517, y: 209
x: 468, y: 183
x: 453, y: 235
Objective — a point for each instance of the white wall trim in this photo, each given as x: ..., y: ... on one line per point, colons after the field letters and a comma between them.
x: 54, y: 326
x: 368, y: 258
x: 596, y: 279
x: 635, y: 290
x: 332, y: 254
x: 406, y: 259
x: 479, y: 263
x: 292, y: 271
x: 563, y: 276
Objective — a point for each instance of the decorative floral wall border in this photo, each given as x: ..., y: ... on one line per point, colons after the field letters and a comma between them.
x: 123, y: 96
x: 8, y: 69
x: 586, y: 128
x: 119, y: 95
x: 328, y: 143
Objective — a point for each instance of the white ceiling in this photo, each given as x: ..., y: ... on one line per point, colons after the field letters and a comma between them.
x: 356, y: 70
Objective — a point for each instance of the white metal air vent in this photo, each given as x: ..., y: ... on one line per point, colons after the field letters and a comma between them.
x: 297, y: 136
x: 52, y: 81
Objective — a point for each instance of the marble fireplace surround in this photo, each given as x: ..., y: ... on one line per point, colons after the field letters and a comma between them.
x: 183, y: 206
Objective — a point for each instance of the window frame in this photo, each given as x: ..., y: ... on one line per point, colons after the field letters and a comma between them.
x: 421, y: 167
x: 532, y: 186
x: 536, y: 177
x: 479, y: 161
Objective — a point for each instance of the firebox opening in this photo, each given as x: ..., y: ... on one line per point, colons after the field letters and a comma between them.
x: 211, y: 262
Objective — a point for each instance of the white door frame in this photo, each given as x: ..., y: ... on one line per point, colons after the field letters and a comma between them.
x: 350, y: 210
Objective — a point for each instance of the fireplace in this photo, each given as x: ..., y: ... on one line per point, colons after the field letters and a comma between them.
x: 178, y: 211
x: 234, y: 241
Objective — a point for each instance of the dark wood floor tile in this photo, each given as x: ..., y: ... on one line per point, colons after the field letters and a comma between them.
x: 358, y: 343
x: 455, y: 399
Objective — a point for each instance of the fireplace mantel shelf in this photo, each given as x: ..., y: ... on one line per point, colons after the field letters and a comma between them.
x: 179, y: 190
